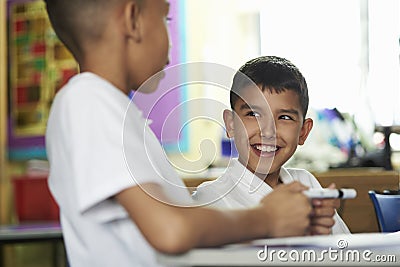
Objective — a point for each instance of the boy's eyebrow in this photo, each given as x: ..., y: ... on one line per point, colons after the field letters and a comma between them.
x: 252, y: 107
x: 283, y: 110
x: 247, y: 106
x: 291, y: 111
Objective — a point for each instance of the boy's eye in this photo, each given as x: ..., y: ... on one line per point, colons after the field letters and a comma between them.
x: 168, y: 19
x: 253, y: 114
x: 285, y: 117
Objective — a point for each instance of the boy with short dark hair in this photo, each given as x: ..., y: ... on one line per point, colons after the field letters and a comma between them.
x: 115, y: 212
x: 267, y: 122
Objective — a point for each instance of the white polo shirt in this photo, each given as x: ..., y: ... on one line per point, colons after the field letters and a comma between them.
x: 98, y: 145
x: 240, y: 188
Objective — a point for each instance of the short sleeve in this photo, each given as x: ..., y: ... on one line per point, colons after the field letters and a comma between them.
x: 98, y: 146
x: 96, y: 150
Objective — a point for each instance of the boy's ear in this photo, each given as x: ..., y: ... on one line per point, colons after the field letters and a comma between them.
x: 305, y: 130
x: 228, y: 120
x: 132, y: 20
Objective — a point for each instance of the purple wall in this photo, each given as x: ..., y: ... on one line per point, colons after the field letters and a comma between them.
x: 159, y: 112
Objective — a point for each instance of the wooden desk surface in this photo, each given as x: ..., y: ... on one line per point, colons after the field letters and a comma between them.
x: 359, y: 213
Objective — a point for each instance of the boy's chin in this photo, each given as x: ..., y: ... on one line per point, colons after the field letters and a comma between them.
x: 264, y: 167
x: 151, y: 84
x: 266, y: 170
x: 262, y: 173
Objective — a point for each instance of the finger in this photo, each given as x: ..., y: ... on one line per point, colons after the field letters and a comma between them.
x: 296, y: 187
x: 331, y: 202
x: 320, y: 230
x: 323, y: 212
x: 316, y: 202
x: 322, y: 221
x: 332, y: 186
x: 302, y: 199
x: 327, y: 202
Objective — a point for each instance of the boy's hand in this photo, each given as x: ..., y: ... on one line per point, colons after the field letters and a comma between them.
x: 289, y: 210
x: 322, y: 215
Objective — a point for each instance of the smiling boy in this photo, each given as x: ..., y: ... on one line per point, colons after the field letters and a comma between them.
x: 267, y: 122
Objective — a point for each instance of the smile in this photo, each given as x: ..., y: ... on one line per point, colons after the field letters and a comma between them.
x: 266, y: 148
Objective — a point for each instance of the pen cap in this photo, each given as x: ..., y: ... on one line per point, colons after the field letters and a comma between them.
x: 348, y: 193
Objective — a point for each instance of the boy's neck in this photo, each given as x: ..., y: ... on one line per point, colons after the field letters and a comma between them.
x: 110, y: 66
x: 272, y: 179
x: 112, y: 77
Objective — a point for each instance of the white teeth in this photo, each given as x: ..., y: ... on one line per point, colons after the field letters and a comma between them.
x: 265, y: 148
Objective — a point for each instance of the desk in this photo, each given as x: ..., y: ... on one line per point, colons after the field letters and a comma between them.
x: 359, y: 213
x: 25, y: 233
x: 371, y: 249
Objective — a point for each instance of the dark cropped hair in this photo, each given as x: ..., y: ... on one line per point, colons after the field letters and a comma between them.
x: 273, y: 73
x: 77, y: 21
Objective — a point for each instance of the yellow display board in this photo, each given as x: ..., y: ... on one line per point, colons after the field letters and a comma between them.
x: 39, y: 65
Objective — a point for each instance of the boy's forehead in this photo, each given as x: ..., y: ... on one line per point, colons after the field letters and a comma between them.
x: 256, y: 95
x: 253, y: 92
x: 251, y: 95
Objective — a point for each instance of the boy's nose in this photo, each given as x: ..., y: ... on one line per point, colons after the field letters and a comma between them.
x: 268, y: 135
x: 268, y: 130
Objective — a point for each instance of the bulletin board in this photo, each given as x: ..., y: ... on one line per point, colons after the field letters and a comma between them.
x: 39, y: 65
